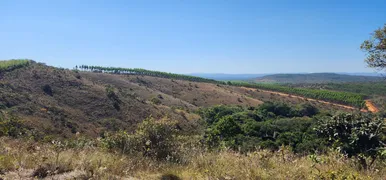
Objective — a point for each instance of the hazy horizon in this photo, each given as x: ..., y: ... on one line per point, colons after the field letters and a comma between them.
x: 243, y: 37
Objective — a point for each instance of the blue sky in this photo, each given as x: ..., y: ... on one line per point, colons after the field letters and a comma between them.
x: 224, y: 36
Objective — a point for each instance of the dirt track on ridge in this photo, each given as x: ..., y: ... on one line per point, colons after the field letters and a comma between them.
x: 370, y: 106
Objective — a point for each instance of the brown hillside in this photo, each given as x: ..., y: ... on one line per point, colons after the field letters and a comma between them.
x: 59, y: 101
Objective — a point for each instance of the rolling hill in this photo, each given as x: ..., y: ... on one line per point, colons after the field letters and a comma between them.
x: 100, y: 122
x: 228, y: 77
x: 316, y: 78
x: 65, y: 102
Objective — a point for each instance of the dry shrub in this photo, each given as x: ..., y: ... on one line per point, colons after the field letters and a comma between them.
x: 50, y: 169
x: 154, y: 139
x: 274, y: 165
x: 96, y: 163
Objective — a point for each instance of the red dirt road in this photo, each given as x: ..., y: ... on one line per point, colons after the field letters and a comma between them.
x: 370, y: 106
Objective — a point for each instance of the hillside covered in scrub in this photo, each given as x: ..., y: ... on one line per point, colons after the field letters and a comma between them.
x: 271, y: 141
x: 193, y: 90
x: 64, y: 102
x: 114, y: 123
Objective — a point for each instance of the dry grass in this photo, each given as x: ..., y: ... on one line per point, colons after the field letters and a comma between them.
x: 268, y: 165
x: 78, y: 102
x: 21, y: 159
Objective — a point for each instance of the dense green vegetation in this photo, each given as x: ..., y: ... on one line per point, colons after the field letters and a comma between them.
x: 367, y: 88
x: 13, y: 64
x: 302, y: 128
x: 353, y: 99
x: 138, y: 71
x: 268, y: 126
x: 360, y: 136
x: 375, y: 91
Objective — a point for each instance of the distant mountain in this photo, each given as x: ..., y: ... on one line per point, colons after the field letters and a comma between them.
x: 222, y: 77
x: 334, y: 77
x: 364, y: 74
x: 316, y: 78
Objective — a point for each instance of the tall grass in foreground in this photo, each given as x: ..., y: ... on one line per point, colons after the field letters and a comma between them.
x: 20, y: 159
x: 13, y: 64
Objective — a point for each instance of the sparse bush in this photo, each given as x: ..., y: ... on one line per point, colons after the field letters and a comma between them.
x: 155, y: 139
x: 110, y: 91
x: 155, y: 100
x: 77, y: 75
x: 111, y: 124
x: 49, y: 170
x: 170, y: 177
x: 11, y: 126
x: 6, y: 163
x: 47, y: 89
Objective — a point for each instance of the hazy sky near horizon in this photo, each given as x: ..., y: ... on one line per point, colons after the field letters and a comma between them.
x: 190, y: 36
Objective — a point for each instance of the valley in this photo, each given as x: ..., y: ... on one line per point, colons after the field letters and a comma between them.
x: 80, y: 121
x: 192, y: 90
x: 77, y: 101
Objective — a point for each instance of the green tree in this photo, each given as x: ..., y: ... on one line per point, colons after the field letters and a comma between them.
x: 307, y: 109
x: 11, y: 126
x: 375, y: 48
x: 152, y: 138
x: 357, y: 135
x: 227, y: 127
